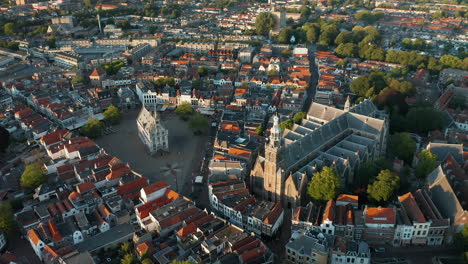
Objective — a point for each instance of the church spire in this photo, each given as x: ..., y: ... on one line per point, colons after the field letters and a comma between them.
x: 275, y: 132
x: 347, y: 105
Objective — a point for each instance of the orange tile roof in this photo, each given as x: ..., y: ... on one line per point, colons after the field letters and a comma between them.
x: 75, y: 197
x: 145, y: 248
x: 411, y: 208
x: 103, y: 210
x: 274, y: 214
x: 155, y: 187
x: 329, y: 212
x: 348, y: 198
x: 239, y: 152
x: 144, y: 210
x: 133, y: 186
x: 33, y: 236
x: 175, y: 219
x: 118, y: 172
x: 380, y: 215
x: 56, y: 236
x: 84, y: 187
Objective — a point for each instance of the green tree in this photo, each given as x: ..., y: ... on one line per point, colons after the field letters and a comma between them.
x: 344, y: 37
x: 112, y: 115
x: 297, y: 118
x: 152, y: 29
x: 32, y: 177
x: 312, y: 34
x: 272, y: 73
x: 51, y: 42
x: 198, y: 123
x: 184, y: 109
x: 367, y: 16
x: 285, y: 35
x: 9, y: 28
x: 451, y: 61
x: 93, y: 128
x: 402, y: 146
x: 126, y: 247
x: 305, y: 11
x: 7, y: 219
x: 181, y: 262
x: 384, y: 186
x: 146, y: 261
x: 460, y: 240
x: 128, y: 259
x: 202, y: 71
x: 77, y: 79
x: 427, y: 162
x: 287, y: 124
x: 434, y: 65
x: 259, y: 130
x: 325, y: 185
x: 369, y: 170
x: 4, y: 139
x: 328, y: 34
x: 346, y: 50
x: 360, y: 85
x: 421, y: 120
x: 264, y: 23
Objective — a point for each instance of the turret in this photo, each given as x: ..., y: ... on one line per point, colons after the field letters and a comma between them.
x: 275, y: 132
x: 347, y: 105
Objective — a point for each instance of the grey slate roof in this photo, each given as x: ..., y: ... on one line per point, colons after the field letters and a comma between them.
x: 442, y: 150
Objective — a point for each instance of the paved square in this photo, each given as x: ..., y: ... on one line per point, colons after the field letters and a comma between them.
x: 185, y: 150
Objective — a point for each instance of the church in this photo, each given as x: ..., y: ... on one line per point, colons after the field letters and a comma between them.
x: 341, y: 139
x: 152, y: 132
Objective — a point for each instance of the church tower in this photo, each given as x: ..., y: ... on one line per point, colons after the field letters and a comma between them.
x: 347, y: 105
x: 273, y: 174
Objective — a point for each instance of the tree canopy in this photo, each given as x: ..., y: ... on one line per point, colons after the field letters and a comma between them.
x: 93, y: 128
x: 427, y: 162
x: 384, y: 186
x: 184, y: 109
x: 369, y: 170
x: 198, y: 123
x: 112, y: 115
x: 402, y: 146
x: 297, y: 118
x: 325, y: 185
x: 421, y: 120
x: 461, y: 239
x: 32, y: 177
x: 7, y: 220
x: 368, y: 16
x: 264, y: 23
x: 4, y: 139
x: 112, y: 68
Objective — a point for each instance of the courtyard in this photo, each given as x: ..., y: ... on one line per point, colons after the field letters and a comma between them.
x: 185, y: 155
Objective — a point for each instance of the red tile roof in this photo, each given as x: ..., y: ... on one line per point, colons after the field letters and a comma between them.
x: 177, y: 218
x: 411, y: 208
x: 126, y: 190
x: 33, y: 236
x: 274, y: 214
x: 380, y: 215
x: 329, y: 212
x: 155, y: 187
x: 85, y: 187
x: 348, y: 198
x: 118, y: 172
x: 56, y: 236
x: 145, y: 248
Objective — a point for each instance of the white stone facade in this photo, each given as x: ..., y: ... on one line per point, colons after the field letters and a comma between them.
x: 151, y: 131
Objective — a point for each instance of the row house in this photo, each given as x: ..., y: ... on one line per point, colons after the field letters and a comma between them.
x: 233, y: 201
